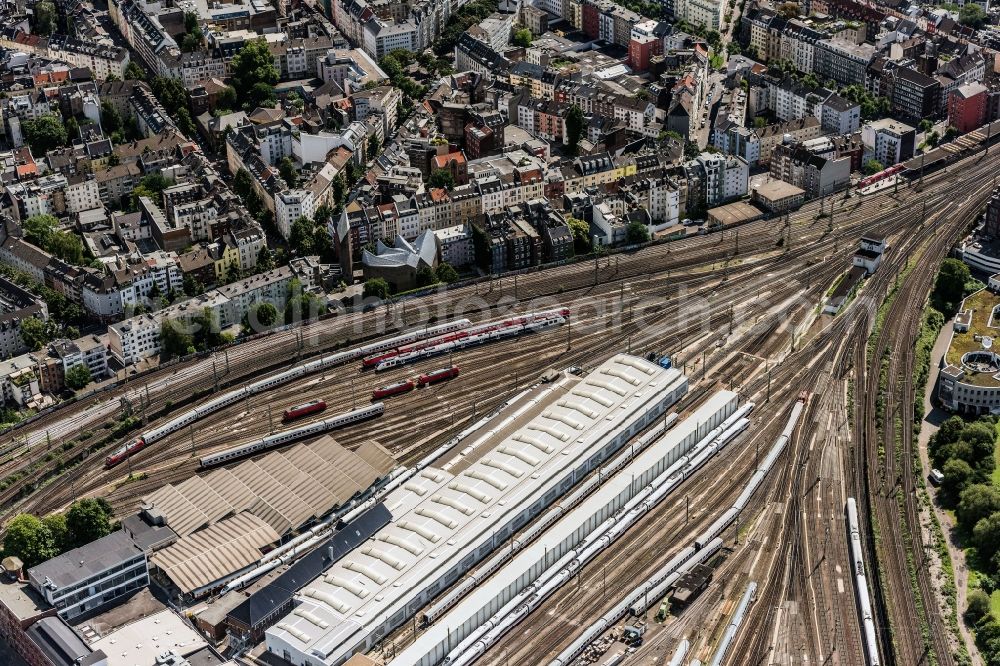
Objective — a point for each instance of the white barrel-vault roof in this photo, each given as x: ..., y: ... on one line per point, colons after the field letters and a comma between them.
x: 440, y: 518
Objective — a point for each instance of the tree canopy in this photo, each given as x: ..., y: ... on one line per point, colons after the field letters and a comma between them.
x: 581, y: 234
x: 29, y: 539
x: 45, y: 133
x: 972, y: 15
x: 34, y: 333
x: 872, y: 167
x: 426, y: 276
x: 261, y: 316
x: 78, y: 376
x: 522, y: 38
x: 88, y: 520
x: 574, y: 128
x: 949, y: 286
x: 446, y: 273
x: 376, y: 288
x: 254, y: 74
x: 441, y: 178
x: 636, y: 232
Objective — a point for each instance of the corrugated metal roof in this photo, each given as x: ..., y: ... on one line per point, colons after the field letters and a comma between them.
x: 215, y: 552
x: 284, y: 488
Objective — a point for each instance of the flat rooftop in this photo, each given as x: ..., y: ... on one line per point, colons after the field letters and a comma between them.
x: 735, y: 213
x: 140, y: 642
x: 983, y: 335
x: 81, y: 563
x: 21, y: 599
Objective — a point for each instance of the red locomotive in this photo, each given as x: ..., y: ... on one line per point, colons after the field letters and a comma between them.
x: 124, y: 452
x: 303, y: 410
x: 393, y: 389
x: 435, y: 376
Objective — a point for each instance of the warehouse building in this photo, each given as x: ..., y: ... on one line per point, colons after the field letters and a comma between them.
x: 484, y: 601
x: 225, y: 519
x: 443, y: 522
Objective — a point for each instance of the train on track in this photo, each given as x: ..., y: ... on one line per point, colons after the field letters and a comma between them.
x: 705, y: 545
x: 292, y: 435
x: 134, y: 446
x: 472, y: 335
x: 190, y: 416
x: 435, y: 376
x: 297, y: 412
x: 404, y: 386
x: 861, y: 584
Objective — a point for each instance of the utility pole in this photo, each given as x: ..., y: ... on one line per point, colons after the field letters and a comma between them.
x: 270, y: 421
x: 191, y: 434
x: 215, y: 377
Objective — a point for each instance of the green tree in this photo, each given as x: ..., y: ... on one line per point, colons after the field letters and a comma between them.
x: 265, y: 260
x: 926, y: 125
x: 253, y: 66
x: 44, y: 18
x: 174, y: 340
x: 66, y: 246
x: 260, y: 95
x: 289, y: 172
x: 574, y: 128
x: 185, y: 123
x: 376, y: 288
x: 302, y: 305
x: 190, y: 43
x: 44, y: 133
x: 34, y: 333
x: 976, y: 502
x: 426, y: 276
x: 972, y: 15
x: 56, y: 525
x: 978, y: 607
x: 759, y: 122
x: 29, y: 539
x: 261, y: 316
x: 226, y: 99
x: 949, y: 286
x: 636, y: 232
x: 88, y: 520
x: 242, y: 183
x: 78, y: 376
x: 38, y: 229
x: 581, y: 234
x: 522, y: 38
x: 446, y: 273
x: 958, y: 475
x: 300, y: 237
x: 72, y: 130
x: 873, y: 167
x: 191, y: 24
x: 339, y: 190
x: 441, y: 178
x: 373, y: 146
x: 170, y: 92
x: 986, y: 534
x: 111, y: 120
x: 134, y: 72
